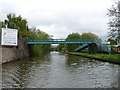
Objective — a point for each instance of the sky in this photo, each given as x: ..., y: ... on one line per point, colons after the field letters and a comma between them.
x: 61, y: 17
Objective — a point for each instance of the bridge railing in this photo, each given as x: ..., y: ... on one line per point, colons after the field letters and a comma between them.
x: 92, y: 40
x: 98, y: 42
x: 62, y: 41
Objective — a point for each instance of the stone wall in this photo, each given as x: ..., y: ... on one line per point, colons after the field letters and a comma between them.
x: 10, y: 53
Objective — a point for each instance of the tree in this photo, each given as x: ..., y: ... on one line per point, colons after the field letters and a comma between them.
x: 17, y: 22
x: 61, y: 47
x: 36, y: 34
x: 114, y: 22
x: 72, y: 47
x: 112, y: 42
x: 73, y: 36
x: 89, y: 36
x: 0, y: 24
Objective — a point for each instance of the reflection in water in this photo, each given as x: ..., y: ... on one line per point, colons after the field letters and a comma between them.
x: 57, y: 70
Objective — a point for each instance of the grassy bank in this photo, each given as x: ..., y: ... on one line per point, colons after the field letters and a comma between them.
x: 115, y: 58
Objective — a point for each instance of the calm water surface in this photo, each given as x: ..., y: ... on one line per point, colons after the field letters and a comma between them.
x: 56, y: 70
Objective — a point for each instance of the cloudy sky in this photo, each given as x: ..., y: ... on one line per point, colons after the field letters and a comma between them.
x: 61, y: 17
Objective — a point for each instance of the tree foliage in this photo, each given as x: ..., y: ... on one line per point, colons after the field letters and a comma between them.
x: 73, y: 36
x: 89, y: 36
x: 71, y: 47
x: 16, y: 22
x: 112, y: 41
x: 61, y: 47
x: 0, y: 24
x: 37, y: 35
x: 114, y: 22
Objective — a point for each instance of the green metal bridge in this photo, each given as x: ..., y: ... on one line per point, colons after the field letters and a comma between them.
x: 63, y: 41
x: 84, y: 43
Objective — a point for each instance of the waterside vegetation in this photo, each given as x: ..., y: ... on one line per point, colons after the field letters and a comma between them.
x: 114, y: 58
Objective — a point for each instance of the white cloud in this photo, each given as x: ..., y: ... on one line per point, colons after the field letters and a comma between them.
x: 61, y: 17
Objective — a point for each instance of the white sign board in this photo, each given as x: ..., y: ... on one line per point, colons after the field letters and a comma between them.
x: 9, y: 37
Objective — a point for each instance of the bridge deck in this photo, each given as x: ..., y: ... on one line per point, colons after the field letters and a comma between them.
x: 62, y: 41
x: 71, y: 41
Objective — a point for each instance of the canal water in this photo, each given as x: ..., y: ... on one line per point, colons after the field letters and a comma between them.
x: 57, y: 70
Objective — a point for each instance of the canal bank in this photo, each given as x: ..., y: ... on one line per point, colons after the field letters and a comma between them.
x: 112, y: 58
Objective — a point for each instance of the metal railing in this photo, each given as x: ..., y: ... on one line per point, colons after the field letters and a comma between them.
x: 98, y: 42
x: 62, y: 41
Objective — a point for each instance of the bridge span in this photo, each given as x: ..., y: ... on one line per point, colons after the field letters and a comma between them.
x: 94, y: 45
x: 63, y: 41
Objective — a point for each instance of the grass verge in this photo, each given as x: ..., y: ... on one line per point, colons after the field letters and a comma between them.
x: 115, y: 58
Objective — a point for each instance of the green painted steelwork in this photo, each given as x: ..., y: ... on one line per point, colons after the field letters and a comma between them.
x: 82, y: 42
x: 81, y: 47
x: 63, y: 41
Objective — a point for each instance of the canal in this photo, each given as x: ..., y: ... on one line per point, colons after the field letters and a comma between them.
x: 57, y: 70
